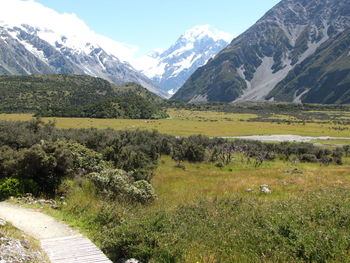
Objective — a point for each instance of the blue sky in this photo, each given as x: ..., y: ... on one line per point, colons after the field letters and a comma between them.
x: 152, y: 24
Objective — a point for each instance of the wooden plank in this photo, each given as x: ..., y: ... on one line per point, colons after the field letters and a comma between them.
x: 73, y: 249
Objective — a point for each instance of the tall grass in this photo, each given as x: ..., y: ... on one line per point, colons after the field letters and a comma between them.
x: 185, y: 123
x: 310, y: 228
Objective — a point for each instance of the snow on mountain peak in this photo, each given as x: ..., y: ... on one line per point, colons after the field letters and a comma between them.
x: 62, y: 28
x: 171, y: 68
x: 199, y: 32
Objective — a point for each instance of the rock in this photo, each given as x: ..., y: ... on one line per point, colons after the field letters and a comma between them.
x: 16, y: 251
x: 25, y: 243
x: 132, y: 260
x: 54, y: 206
x: 265, y: 189
x: 40, y: 202
x: 2, y: 222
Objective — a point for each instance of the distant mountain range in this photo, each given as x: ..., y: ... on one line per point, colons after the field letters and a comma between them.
x: 169, y: 69
x: 298, y: 52
x: 52, y: 43
x: 25, y: 50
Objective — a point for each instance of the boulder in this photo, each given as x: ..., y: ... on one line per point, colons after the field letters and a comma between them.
x: 2, y: 222
x: 265, y: 189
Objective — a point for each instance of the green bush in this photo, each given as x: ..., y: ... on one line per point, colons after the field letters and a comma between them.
x: 48, y: 163
x: 144, y: 192
x: 72, y: 156
x: 137, y: 163
x: 186, y: 150
x: 117, y: 184
x: 310, y: 158
x: 16, y: 187
x: 10, y: 187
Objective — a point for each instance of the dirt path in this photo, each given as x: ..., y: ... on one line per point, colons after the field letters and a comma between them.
x: 60, y: 242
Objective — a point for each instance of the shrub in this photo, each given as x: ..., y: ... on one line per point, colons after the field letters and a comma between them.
x: 8, y: 159
x: 10, y: 187
x: 310, y: 228
x: 35, y: 164
x: 346, y: 149
x: 117, y: 184
x: 15, y: 187
x: 311, y: 158
x: 48, y: 163
x: 72, y: 156
x: 144, y: 192
x: 186, y: 150
x: 138, y: 163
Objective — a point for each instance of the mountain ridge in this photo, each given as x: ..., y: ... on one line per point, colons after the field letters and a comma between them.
x: 170, y: 68
x: 259, y: 59
x: 61, y: 45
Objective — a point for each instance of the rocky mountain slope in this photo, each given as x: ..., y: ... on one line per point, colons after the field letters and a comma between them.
x: 298, y: 52
x: 170, y: 68
x: 63, y: 44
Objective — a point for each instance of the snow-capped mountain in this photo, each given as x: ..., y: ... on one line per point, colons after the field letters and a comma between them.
x: 297, y: 52
x: 172, y: 67
x: 38, y: 40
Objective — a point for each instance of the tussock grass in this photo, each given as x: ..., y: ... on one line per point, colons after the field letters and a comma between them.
x: 204, y: 214
x: 185, y: 123
x: 176, y: 186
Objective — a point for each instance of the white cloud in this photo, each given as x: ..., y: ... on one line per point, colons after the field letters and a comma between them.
x: 207, y: 30
x: 53, y: 26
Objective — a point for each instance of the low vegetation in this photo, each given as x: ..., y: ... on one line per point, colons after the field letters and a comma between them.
x: 213, y: 123
x: 161, y: 198
x: 311, y: 228
x: 124, y: 107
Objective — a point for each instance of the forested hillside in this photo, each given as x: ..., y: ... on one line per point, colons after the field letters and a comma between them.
x: 76, y: 96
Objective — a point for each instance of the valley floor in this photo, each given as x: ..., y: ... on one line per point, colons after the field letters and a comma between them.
x: 208, y: 212
x: 216, y: 124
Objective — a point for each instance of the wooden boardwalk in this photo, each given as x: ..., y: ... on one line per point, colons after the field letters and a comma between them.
x: 61, y: 243
x: 73, y: 249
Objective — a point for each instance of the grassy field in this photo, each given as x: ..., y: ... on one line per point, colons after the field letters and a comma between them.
x: 176, y: 186
x: 204, y: 213
x: 185, y: 123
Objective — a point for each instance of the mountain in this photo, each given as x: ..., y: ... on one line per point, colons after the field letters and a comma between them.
x: 170, y: 68
x: 37, y: 92
x: 42, y: 41
x: 297, y: 52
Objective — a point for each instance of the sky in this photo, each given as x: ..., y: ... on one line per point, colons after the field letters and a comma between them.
x: 152, y: 24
